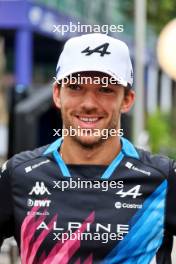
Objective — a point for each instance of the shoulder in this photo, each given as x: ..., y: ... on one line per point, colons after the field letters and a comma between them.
x: 157, y: 161
x: 25, y: 157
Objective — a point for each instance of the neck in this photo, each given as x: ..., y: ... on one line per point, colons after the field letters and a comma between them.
x: 102, y: 154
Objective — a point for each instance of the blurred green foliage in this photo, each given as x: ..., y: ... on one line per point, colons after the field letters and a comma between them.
x: 159, y: 12
x: 162, y: 139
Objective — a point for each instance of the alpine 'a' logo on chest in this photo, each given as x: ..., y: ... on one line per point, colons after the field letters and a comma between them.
x: 102, y: 49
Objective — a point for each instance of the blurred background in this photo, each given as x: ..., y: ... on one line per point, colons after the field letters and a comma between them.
x: 29, y: 50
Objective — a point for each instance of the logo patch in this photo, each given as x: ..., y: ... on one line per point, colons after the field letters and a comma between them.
x: 39, y: 189
x: 119, y: 205
x: 102, y: 50
x: 130, y: 166
x: 30, y: 168
x: 40, y: 203
x: 134, y: 192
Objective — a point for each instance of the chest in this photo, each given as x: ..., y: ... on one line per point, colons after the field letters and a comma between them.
x: 85, y: 216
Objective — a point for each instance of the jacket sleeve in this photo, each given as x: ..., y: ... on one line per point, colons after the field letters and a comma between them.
x: 6, y: 215
x: 171, y: 200
x: 164, y: 253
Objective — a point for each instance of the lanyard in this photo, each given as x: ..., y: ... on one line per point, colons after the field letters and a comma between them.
x: 127, y: 149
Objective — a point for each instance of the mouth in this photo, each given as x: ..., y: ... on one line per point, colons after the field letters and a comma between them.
x: 88, y: 121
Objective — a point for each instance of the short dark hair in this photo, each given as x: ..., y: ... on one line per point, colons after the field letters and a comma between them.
x: 127, y: 90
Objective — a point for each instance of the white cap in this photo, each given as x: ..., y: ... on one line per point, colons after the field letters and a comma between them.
x: 96, y: 52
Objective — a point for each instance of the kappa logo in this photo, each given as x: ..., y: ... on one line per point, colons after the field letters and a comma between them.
x: 134, y: 192
x: 130, y: 166
x: 30, y: 168
x: 39, y: 189
x: 102, y: 49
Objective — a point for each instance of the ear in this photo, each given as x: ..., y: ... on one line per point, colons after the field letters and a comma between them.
x: 128, y: 101
x: 56, y: 95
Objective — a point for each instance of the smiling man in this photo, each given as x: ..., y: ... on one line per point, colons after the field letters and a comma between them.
x: 88, y: 198
x: 92, y: 107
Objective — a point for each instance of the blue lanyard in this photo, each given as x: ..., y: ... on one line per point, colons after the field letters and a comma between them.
x: 127, y: 149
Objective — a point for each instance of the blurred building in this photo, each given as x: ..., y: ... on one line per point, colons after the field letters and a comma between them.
x: 32, y: 48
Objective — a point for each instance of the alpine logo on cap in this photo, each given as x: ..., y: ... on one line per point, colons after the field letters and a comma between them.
x: 102, y: 49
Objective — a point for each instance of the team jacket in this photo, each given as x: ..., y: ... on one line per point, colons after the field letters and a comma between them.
x: 122, y: 213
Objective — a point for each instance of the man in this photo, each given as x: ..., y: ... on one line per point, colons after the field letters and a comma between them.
x: 92, y: 197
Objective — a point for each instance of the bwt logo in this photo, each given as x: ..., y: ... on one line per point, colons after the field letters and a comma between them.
x: 41, y: 203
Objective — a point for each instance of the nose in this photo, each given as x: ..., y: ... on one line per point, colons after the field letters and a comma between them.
x: 89, y: 101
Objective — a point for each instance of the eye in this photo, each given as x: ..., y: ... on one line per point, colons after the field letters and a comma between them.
x: 104, y: 89
x: 74, y: 87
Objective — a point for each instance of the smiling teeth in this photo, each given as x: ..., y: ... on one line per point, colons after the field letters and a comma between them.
x: 86, y: 119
